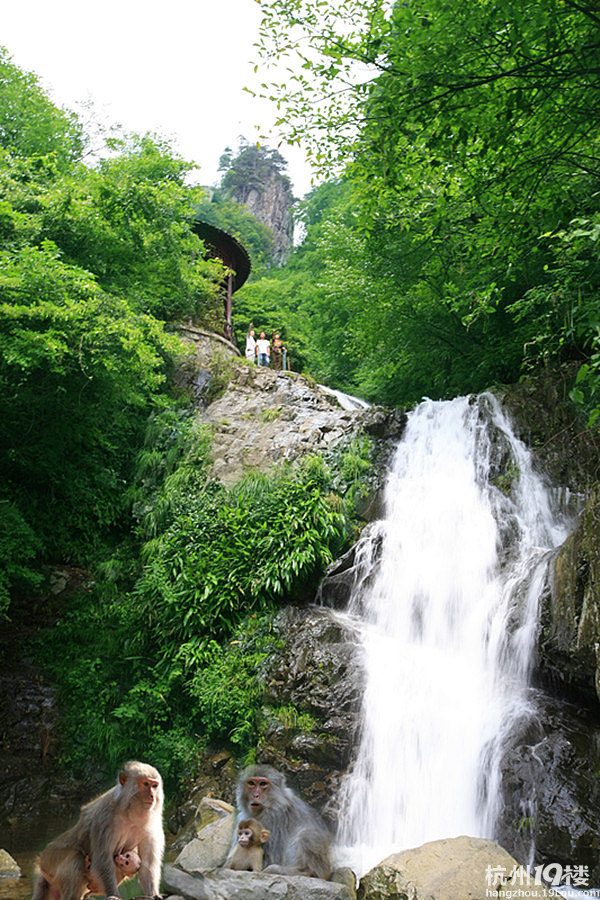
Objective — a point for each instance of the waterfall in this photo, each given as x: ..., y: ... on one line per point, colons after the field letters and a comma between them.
x: 448, y: 620
x: 346, y: 401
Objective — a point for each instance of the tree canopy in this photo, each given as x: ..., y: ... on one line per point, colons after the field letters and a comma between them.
x: 93, y: 261
x: 251, y: 170
x: 470, y: 138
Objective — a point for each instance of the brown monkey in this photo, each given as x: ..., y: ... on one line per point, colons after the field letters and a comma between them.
x: 128, y: 815
x: 247, y: 855
x: 299, y: 843
x: 127, y: 863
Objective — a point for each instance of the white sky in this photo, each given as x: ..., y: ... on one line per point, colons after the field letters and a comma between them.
x: 176, y: 67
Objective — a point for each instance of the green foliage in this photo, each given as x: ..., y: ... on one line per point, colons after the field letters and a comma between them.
x: 224, y: 557
x: 76, y: 368
x: 251, y: 170
x: 92, y: 260
x: 128, y: 222
x: 565, y: 307
x: 138, y: 660
x: 227, y: 690
x: 172, y: 462
x: 292, y: 719
x: 30, y: 125
x: 270, y: 415
x: 18, y: 549
x: 467, y: 139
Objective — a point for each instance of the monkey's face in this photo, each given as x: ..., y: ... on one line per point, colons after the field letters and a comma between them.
x: 245, y: 837
x: 128, y: 860
x: 258, y: 793
x: 148, y: 791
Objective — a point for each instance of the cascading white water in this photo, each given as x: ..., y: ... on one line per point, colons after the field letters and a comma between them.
x: 447, y: 624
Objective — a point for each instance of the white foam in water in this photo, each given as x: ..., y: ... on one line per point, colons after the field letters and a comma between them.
x: 448, y: 626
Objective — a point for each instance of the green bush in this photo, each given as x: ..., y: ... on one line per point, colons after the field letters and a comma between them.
x: 160, y: 660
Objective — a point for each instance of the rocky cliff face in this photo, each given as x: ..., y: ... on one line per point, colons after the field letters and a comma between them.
x: 554, y: 763
x: 272, y: 204
x: 261, y: 417
x: 569, y: 637
x: 570, y: 632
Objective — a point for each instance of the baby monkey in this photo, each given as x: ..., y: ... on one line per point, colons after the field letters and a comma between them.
x: 127, y: 863
x: 247, y: 855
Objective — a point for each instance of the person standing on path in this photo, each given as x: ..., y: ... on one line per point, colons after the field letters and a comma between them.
x: 250, y: 345
x: 263, y: 349
x: 277, y: 349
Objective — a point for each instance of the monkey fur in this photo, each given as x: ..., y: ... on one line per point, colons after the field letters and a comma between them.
x: 247, y: 855
x: 127, y: 816
x: 299, y: 842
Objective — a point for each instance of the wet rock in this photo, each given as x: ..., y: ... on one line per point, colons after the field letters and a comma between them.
x: 553, y: 427
x: 352, y: 573
x: 347, y: 877
x: 317, y: 676
x: 382, y: 422
x: 570, y: 615
x: 31, y: 785
x: 451, y: 869
x: 550, y: 790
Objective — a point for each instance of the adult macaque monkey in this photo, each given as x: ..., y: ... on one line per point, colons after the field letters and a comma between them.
x: 247, y: 855
x: 129, y: 815
x: 299, y: 843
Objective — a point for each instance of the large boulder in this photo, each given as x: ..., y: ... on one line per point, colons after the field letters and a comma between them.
x: 224, y: 884
x: 462, y: 868
x: 207, y: 838
x: 264, y: 417
x: 210, y: 848
x: 260, y: 417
